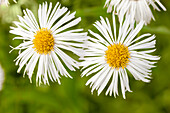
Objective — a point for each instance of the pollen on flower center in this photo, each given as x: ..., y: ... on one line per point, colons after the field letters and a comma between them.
x: 44, y: 41
x: 117, y: 55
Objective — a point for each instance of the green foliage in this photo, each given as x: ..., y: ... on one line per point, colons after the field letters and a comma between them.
x: 72, y: 96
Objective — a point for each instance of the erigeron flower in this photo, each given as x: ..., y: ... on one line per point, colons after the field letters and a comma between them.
x: 46, y: 41
x: 1, y: 77
x: 108, y: 58
x: 5, y: 2
x: 138, y: 9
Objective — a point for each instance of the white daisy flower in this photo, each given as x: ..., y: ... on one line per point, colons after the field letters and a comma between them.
x: 108, y: 57
x: 45, y: 42
x: 1, y: 77
x: 6, y: 2
x: 138, y: 9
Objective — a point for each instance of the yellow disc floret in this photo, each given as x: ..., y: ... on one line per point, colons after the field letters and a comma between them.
x: 44, y: 41
x: 117, y: 55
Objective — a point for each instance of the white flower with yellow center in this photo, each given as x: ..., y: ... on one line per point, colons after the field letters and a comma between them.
x: 108, y: 57
x: 138, y: 9
x: 1, y: 77
x: 6, y: 2
x: 45, y: 42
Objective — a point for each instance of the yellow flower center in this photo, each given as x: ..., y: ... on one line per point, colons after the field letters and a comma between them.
x: 117, y: 55
x: 44, y: 41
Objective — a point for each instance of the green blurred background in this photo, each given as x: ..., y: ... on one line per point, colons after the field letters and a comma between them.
x: 72, y: 96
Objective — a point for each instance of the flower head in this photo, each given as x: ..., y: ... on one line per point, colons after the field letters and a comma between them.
x: 108, y: 57
x: 1, y: 77
x: 46, y: 41
x: 138, y: 9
